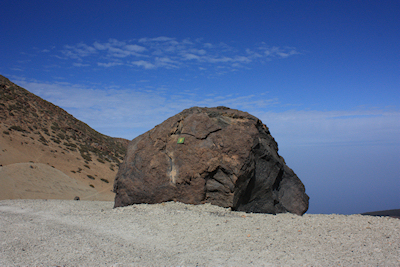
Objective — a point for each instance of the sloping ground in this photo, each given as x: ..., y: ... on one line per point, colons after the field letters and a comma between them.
x: 40, y: 181
x: 15, y: 148
x: 33, y: 130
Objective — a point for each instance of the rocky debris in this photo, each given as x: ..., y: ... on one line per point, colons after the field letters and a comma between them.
x: 217, y: 155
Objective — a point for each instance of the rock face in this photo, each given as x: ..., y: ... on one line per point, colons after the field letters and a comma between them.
x: 227, y: 158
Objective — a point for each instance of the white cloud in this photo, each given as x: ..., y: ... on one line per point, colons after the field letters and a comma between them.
x: 198, y: 51
x: 287, y: 54
x: 188, y: 56
x: 16, y: 69
x: 228, y: 59
x: 109, y: 64
x: 128, y: 113
x: 109, y: 110
x: 166, y: 62
x: 157, y: 39
x: 144, y: 64
x: 119, y: 49
x: 334, y: 127
x: 78, y: 51
x: 136, y: 48
x: 275, y: 52
x: 242, y: 59
x: 167, y: 52
x: 100, y: 46
x: 80, y: 65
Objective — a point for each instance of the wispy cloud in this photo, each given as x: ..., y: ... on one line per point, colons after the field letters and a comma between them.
x: 144, y: 64
x: 340, y: 127
x: 128, y: 112
x: 77, y: 64
x: 78, y: 51
x: 109, y: 64
x: 167, y: 52
x: 274, y: 51
x: 118, y: 49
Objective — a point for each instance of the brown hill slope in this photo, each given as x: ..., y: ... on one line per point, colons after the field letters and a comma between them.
x: 36, y: 131
x: 40, y: 181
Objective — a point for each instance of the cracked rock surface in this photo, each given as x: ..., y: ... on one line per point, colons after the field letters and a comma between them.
x: 228, y: 158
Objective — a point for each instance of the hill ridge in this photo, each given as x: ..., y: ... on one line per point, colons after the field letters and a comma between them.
x: 37, y: 131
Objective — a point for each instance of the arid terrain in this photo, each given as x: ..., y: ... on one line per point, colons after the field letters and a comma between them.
x: 93, y: 233
x: 48, y: 158
x: 38, y: 133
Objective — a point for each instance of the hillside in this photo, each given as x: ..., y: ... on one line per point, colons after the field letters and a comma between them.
x: 33, y: 130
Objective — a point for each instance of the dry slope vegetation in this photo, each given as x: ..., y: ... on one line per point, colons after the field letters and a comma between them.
x: 34, y: 130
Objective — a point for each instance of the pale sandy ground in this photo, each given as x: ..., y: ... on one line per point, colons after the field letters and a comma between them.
x: 92, y: 233
x: 41, y: 181
x: 18, y: 147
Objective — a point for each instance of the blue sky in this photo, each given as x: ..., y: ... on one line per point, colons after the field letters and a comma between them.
x: 324, y: 76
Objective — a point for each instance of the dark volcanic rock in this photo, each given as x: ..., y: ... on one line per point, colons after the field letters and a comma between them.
x: 228, y: 158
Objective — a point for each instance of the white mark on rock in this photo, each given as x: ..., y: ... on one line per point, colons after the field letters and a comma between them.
x: 173, y: 172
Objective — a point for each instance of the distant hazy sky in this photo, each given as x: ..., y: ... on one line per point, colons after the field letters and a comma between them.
x: 323, y: 75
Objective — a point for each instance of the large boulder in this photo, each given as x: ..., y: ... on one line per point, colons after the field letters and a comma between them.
x: 227, y: 158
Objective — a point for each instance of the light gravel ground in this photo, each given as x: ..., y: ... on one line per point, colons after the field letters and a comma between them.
x: 92, y: 233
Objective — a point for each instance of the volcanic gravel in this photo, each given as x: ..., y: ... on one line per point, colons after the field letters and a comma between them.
x: 92, y: 233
